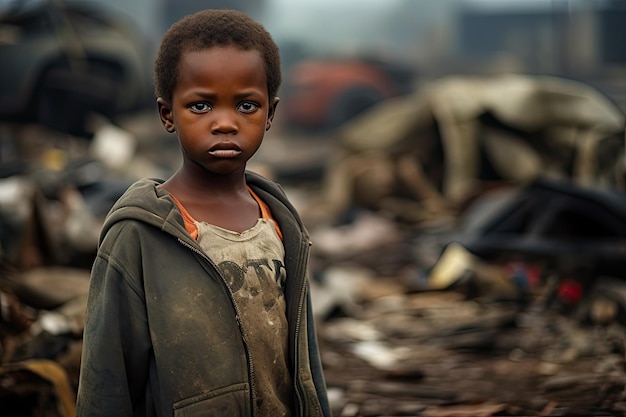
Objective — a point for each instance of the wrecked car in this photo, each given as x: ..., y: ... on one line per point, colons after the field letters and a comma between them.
x: 62, y: 61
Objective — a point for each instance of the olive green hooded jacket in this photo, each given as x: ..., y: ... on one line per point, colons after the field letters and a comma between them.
x: 162, y: 336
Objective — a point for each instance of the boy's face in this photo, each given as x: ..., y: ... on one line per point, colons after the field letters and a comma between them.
x: 220, y: 107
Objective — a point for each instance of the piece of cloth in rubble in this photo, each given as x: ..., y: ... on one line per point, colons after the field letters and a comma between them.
x: 253, y: 263
x: 162, y: 335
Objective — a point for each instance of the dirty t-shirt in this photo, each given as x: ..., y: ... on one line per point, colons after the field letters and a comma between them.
x: 252, y: 262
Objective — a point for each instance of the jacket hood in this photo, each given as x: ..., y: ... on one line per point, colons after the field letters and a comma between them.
x: 144, y: 202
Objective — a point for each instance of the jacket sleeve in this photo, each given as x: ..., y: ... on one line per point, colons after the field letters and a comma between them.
x: 116, y: 341
x: 315, y: 360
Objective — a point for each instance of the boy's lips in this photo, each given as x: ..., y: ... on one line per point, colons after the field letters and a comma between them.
x: 225, y: 150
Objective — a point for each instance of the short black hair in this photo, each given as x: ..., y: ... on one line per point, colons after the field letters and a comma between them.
x: 209, y: 28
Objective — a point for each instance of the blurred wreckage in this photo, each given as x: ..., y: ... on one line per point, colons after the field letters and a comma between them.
x: 65, y: 60
x: 477, y: 190
x: 453, y: 138
x: 491, y: 279
x: 67, y: 69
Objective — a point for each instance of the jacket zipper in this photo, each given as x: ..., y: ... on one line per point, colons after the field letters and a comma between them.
x: 238, y: 319
x: 301, y: 300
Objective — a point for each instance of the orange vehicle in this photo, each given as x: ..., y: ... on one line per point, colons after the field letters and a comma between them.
x: 324, y: 93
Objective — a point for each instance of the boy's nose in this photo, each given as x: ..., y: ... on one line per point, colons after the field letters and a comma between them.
x: 223, y: 121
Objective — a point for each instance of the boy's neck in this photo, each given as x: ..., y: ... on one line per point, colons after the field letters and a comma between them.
x: 224, y: 201
x: 191, y: 183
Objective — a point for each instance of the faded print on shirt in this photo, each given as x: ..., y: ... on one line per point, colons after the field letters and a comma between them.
x: 252, y: 263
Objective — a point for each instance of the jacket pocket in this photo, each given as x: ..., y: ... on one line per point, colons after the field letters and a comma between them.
x: 231, y: 401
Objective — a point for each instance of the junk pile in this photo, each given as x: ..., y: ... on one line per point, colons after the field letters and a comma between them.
x: 521, y: 312
x: 71, y: 68
x: 423, y: 157
x: 469, y: 247
x: 55, y: 190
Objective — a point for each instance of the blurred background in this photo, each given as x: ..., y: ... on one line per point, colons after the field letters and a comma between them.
x: 459, y: 164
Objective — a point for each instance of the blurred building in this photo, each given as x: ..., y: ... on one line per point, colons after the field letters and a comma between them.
x: 562, y: 36
x: 573, y: 38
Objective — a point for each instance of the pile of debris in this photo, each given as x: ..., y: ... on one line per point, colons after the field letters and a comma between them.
x: 511, y: 315
x: 442, y: 354
x: 54, y: 193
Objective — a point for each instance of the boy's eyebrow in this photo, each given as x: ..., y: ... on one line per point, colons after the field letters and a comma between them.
x: 200, y: 94
x: 252, y: 92
x: 211, y: 95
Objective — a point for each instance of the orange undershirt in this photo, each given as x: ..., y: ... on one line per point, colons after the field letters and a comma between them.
x: 190, y: 223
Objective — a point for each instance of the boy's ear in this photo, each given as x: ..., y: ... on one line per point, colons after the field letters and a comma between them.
x: 271, y: 113
x: 165, y: 113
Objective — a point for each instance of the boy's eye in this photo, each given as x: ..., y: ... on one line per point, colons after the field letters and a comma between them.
x: 200, y: 107
x: 247, y: 107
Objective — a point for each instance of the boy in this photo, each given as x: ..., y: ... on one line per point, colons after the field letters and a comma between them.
x: 199, y: 304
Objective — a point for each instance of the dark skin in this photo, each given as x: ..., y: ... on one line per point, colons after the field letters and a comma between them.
x: 220, y: 109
